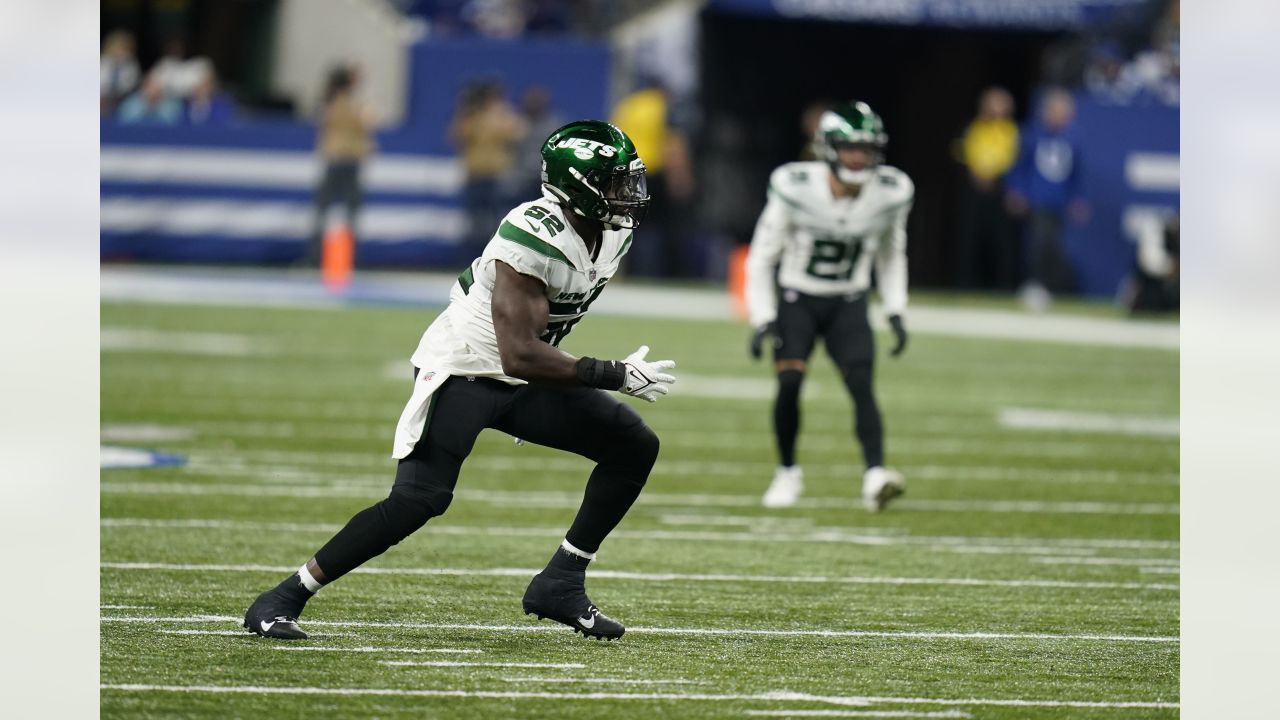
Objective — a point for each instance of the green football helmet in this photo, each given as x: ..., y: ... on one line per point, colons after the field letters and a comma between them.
x: 592, y: 168
x: 851, y: 124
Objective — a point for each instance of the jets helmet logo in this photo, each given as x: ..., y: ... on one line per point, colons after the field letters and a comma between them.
x: 586, y: 149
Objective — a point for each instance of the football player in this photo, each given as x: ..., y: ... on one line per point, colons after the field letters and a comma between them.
x: 491, y: 360
x: 822, y: 225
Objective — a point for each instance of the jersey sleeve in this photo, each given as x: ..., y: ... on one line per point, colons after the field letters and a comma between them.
x: 766, y: 248
x: 891, y: 258
x: 528, y: 248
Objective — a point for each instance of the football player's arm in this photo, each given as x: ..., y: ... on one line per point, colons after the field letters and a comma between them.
x: 891, y: 272
x: 762, y: 261
x: 520, y: 313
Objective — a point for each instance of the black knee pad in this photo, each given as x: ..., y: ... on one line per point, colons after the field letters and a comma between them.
x: 789, y: 382
x: 407, y: 509
x: 644, y: 447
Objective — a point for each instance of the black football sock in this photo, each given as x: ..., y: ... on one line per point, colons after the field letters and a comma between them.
x: 786, y: 415
x: 866, y: 418
x: 294, y: 589
x: 568, y: 561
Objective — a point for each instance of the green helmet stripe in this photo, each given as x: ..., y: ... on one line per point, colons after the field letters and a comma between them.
x: 507, y: 231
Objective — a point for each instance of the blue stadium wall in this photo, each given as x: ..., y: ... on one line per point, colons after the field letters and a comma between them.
x: 242, y: 194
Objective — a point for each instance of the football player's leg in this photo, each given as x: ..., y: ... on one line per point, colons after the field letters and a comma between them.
x: 797, y: 329
x: 851, y: 344
x: 423, y: 488
x: 596, y: 425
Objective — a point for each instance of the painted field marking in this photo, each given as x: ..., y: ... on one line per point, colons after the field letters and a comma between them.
x: 861, y: 713
x: 564, y: 500
x: 864, y: 536
x: 125, y: 607
x: 611, y: 681
x: 413, y: 651
x: 228, y: 633
x: 1171, y: 563
x: 734, y: 632
x: 1019, y: 418
x: 461, y: 663
x: 665, y: 577
x: 181, y: 342
x: 510, y: 695
x: 142, y: 432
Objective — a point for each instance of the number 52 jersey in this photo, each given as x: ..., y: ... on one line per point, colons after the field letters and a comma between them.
x: 823, y: 245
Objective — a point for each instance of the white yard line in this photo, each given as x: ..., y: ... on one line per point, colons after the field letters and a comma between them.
x: 667, y: 577
x: 227, y: 633
x: 413, y: 651
x: 181, y: 342
x: 1171, y: 563
x: 856, y: 714
x: 602, y: 680
x: 460, y: 663
x: 125, y: 607
x: 730, y: 632
x: 1018, y: 418
x: 862, y: 536
x: 568, y: 500
x: 584, y: 696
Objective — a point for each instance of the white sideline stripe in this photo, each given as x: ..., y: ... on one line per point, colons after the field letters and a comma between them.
x: 1037, y: 419
x: 554, y: 499
x: 766, y: 697
x: 298, y: 170
x: 906, y: 634
x: 413, y: 651
x: 125, y: 607
x: 667, y: 577
x: 310, y: 469
x: 383, y: 222
x: 858, y: 714
x: 865, y: 536
x: 459, y: 663
x: 611, y: 681
x: 180, y: 342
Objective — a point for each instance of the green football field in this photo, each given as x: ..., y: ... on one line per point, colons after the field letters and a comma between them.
x: 1030, y: 571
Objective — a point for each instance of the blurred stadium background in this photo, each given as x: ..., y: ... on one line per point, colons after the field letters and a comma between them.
x: 221, y: 166
x: 246, y: 407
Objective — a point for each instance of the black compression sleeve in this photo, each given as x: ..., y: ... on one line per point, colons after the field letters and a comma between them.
x: 603, y: 374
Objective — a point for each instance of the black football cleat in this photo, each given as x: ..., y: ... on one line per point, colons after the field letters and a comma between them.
x: 273, y: 615
x: 564, y: 599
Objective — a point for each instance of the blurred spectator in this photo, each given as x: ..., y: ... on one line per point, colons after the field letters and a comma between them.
x: 209, y: 105
x: 1153, y: 287
x: 1045, y: 186
x: 548, y: 17
x: 1106, y: 79
x: 809, y: 119
x: 663, y: 245
x: 118, y: 70
x: 178, y: 75
x: 345, y: 140
x: 484, y: 129
x: 150, y: 106
x: 524, y: 182
x: 985, y: 252
x: 495, y: 18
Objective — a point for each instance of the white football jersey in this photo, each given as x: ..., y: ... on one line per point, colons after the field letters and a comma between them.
x: 535, y: 239
x: 823, y: 245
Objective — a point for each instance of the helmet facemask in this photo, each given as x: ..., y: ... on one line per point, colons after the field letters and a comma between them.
x: 847, y: 175
x: 851, y: 126
x: 619, y: 199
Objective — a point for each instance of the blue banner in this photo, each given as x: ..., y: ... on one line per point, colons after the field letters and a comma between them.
x: 1129, y: 171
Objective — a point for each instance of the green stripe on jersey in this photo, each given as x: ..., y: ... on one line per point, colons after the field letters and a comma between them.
x: 784, y: 198
x: 507, y: 231
x: 466, y: 280
x: 625, y: 244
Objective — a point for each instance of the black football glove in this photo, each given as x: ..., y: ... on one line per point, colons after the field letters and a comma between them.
x: 758, y: 335
x: 900, y: 333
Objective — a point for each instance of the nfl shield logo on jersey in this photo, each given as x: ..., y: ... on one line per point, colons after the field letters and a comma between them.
x: 591, y: 275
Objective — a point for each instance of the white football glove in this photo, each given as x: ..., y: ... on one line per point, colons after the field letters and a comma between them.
x: 646, y: 379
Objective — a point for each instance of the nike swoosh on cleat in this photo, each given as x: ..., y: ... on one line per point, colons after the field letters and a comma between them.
x: 266, y: 626
x: 588, y: 623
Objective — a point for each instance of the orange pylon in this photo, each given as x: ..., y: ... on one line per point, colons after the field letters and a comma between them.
x: 337, y: 257
x: 738, y: 280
